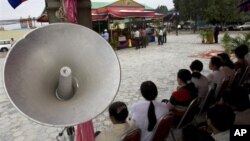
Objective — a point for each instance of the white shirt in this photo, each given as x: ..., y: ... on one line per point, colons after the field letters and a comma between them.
x: 216, y: 77
x: 202, y: 85
x: 137, y: 34
x: 222, y: 136
x: 105, y: 35
x: 139, y: 113
x: 115, y: 132
x: 160, y: 32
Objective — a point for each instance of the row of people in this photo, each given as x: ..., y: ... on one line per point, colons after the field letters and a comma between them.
x: 145, y: 114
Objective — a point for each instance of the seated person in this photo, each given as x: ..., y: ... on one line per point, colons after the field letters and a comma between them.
x: 215, y: 77
x: 220, y: 119
x: 147, y: 113
x: 241, y: 52
x: 192, y: 133
x: 227, y: 66
x: 118, y: 113
x: 238, y: 100
x: 199, y: 80
x: 183, y: 96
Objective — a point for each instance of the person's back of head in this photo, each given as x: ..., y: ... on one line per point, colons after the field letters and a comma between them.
x: 220, y: 117
x: 241, y: 51
x: 185, y: 76
x: 215, y: 62
x: 118, y: 112
x: 196, y: 67
x: 149, y: 92
x: 192, y: 133
x: 225, y: 60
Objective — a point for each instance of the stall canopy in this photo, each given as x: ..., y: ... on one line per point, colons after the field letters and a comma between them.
x: 120, y: 9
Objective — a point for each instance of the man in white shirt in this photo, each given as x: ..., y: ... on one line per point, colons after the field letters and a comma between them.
x: 105, y: 35
x: 137, y: 38
x: 118, y: 113
x: 160, y: 36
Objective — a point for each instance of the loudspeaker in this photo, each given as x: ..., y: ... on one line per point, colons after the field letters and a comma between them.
x: 61, y: 74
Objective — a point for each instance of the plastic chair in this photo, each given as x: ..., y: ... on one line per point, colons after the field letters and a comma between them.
x: 188, y: 116
x: 163, y: 128
x: 133, y: 135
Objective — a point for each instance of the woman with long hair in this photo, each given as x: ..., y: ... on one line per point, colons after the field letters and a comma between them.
x: 146, y: 113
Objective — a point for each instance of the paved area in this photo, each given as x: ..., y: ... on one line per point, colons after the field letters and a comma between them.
x: 156, y: 63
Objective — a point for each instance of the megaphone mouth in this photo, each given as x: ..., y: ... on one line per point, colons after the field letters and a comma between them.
x: 75, y: 86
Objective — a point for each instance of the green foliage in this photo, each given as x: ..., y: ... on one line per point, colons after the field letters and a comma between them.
x: 213, y: 11
x: 206, y: 36
x: 230, y: 43
x: 203, y: 35
x: 114, y: 44
x: 162, y: 9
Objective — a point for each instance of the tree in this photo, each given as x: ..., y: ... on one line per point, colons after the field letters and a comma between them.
x: 162, y: 9
x: 212, y: 11
x: 223, y: 11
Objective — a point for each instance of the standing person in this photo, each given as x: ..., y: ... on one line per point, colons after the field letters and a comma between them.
x: 12, y: 41
x: 118, y: 114
x: 137, y: 39
x: 160, y: 35
x: 147, y: 113
x: 143, y: 38
x: 105, y: 35
x: 164, y: 34
x: 216, y: 33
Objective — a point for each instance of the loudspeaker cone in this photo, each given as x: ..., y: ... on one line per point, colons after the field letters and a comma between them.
x: 67, y: 59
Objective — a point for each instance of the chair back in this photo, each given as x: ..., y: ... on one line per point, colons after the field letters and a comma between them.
x: 244, y: 75
x: 132, y: 135
x: 163, y: 128
x: 189, y: 114
x: 237, y: 78
x: 223, y: 87
x: 209, y: 100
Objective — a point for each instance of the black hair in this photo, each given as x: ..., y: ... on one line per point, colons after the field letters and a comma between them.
x: 119, y: 111
x: 221, y: 116
x: 226, y: 61
x: 216, y: 61
x: 241, y: 51
x: 238, y: 98
x: 192, y: 133
x: 196, y: 67
x: 185, y: 76
x: 149, y: 92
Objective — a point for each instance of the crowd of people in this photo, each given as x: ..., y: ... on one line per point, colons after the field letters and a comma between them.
x: 232, y: 105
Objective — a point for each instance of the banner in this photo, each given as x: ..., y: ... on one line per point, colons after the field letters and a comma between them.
x: 15, y: 3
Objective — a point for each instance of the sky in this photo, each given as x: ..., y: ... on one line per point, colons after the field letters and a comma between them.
x: 34, y: 8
